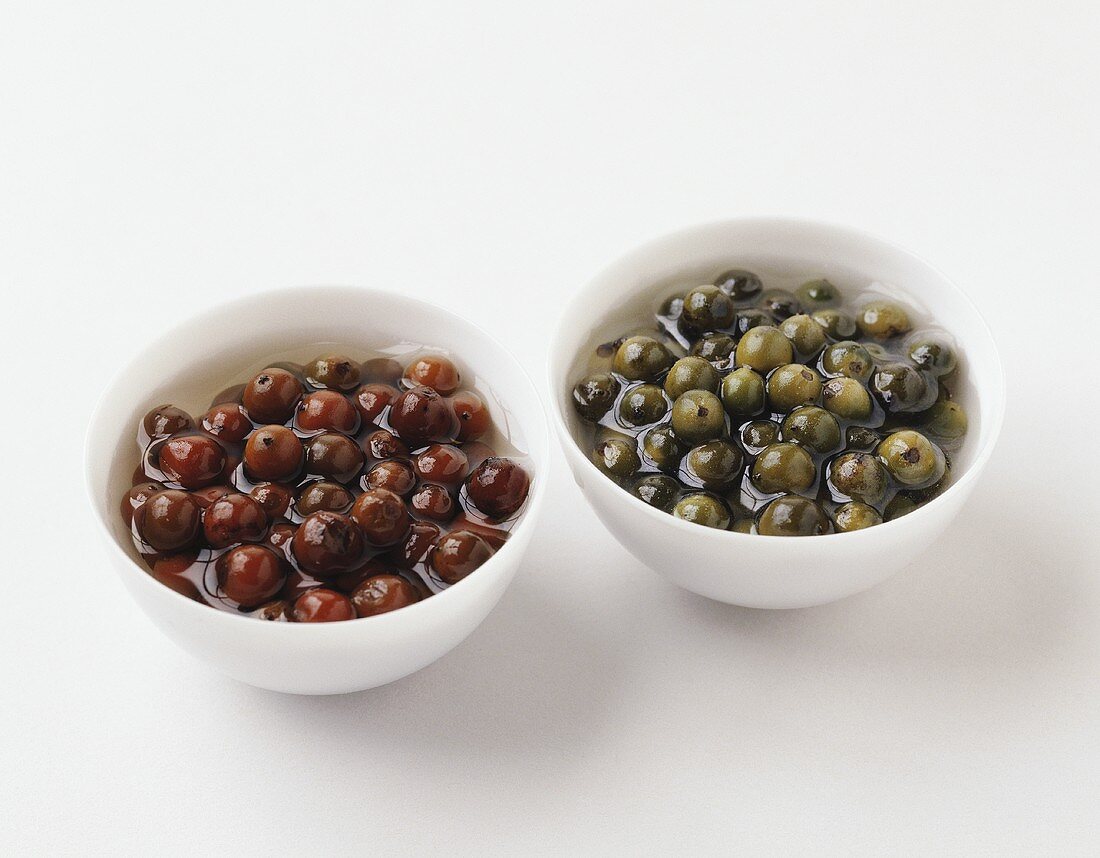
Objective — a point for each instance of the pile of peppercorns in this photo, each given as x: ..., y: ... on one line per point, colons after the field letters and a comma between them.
x: 324, y: 492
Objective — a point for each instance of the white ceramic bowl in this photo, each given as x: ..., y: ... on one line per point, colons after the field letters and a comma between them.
x: 190, y: 364
x: 752, y: 570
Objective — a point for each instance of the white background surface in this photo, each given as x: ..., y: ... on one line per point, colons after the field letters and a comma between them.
x: 157, y: 158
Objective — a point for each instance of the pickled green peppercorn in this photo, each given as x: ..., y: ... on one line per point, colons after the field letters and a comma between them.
x: 806, y: 335
x: 783, y: 467
x: 716, y: 348
x: 812, y: 427
x: 945, y: 419
x: 883, y: 320
x: 855, y: 516
x: 900, y: 505
x: 657, y: 490
x: 764, y: 348
x: 743, y: 392
x: 846, y: 398
x: 759, y: 434
x: 716, y: 464
x: 780, y: 303
x: 703, y: 509
x: 617, y: 457
x: 594, y: 396
x: 739, y: 285
x: 751, y: 318
x: 791, y: 515
x: 792, y: 385
x: 911, y: 458
x: 836, y: 324
x: 642, y: 359
x: 672, y: 307
x: 642, y: 404
x: 933, y: 353
x: 698, y: 416
x: 922, y: 496
x: 861, y: 438
x: 899, y: 387
x: 859, y: 476
x: 663, y: 448
x: 691, y: 373
x: 848, y: 358
x: 706, y: 308
x: 816, y: 294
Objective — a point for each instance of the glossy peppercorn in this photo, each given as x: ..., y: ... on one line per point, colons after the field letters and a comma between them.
x: 434, y: 371
x: 192, y: 461
x: 165, y: 420
x: 250, y: 574
x: 381, y: 594
x: 335, y: 372
x: 271, y: 396
x: 273, y: 454
x: 498, y: 487
x: 442, y: 463
x: 459, y: 553
x: 382, y: 516
x: 169, y: 520
x: 327, y: 543
x: 233, y: 518
x: 371, y: 400
x: 421, y: 415
x: 321, y: 605
x: 334, y: 456
x: 327, y: 409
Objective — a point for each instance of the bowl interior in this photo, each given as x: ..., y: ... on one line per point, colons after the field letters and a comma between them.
x: 783, y: 251
x: 225, y: 345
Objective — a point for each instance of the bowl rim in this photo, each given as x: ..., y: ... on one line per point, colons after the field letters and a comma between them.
x: 539, y: 453
x: 664, y: 519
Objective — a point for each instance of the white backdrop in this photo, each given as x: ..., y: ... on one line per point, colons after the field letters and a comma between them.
x: 156, y: 158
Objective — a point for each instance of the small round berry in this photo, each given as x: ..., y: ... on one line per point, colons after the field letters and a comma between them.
x: 421, y: 415
x: 380, y: 594
x: 327, y: 409
x: 442, y: 463
x: 227, y: 422
x: 396, y: 476
x: 165, y: 420
x: 335, y: 372
x: 233, y: 518
x: 169, y: 520
x: 458, y: 554
x: 138, y: 495
x: 434, y: 501
x: 327, y: 543
x: 382, y: 516
x: 192, y: 461
x: 250, y: 574
x: 321, y: 605
x: 273, y: 454
x: 434, y: 371
x: 333, y: 455
x: 270, y: 396
x: 498, y: 487
x: 323, y: 495
x: 274, y: 498
x: 371, y: 400
x: 473, y: 416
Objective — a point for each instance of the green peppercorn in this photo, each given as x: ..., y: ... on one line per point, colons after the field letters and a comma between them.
x: 698, y: 416
x: 691, y: 373
x: 743, y: 392
x: 642, y: 359
x: 792, y: 385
